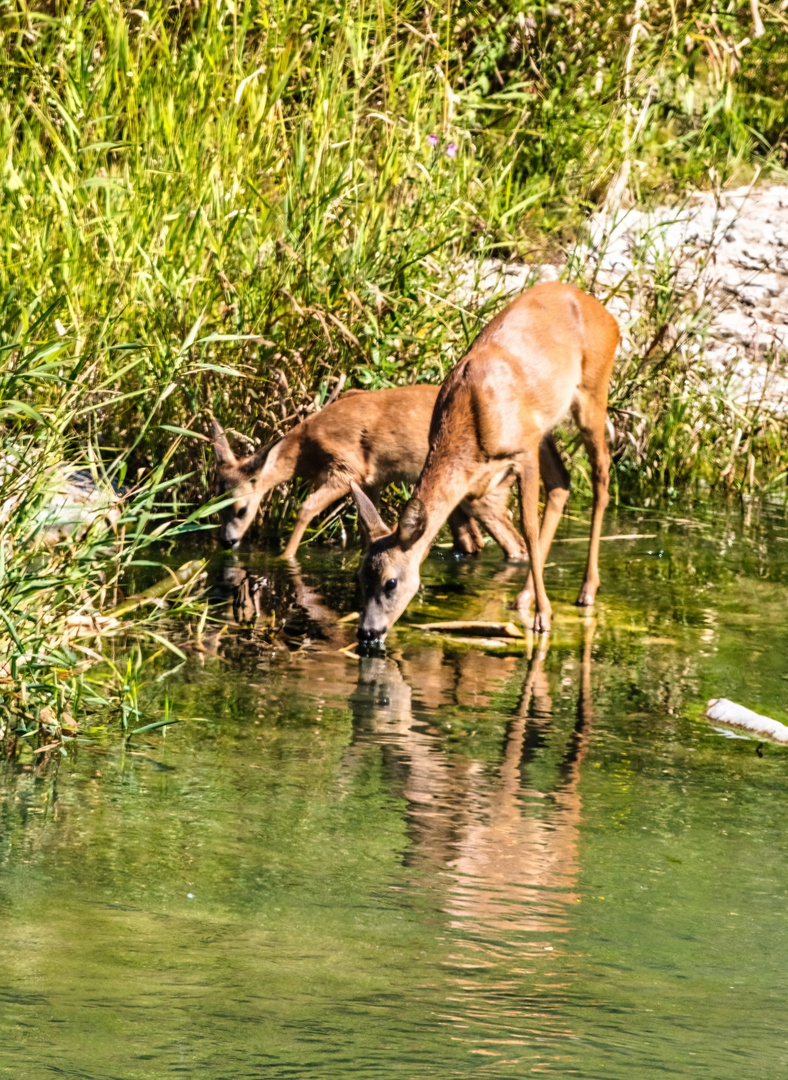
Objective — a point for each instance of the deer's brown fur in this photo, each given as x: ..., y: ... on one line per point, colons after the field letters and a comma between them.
x: 549, y: 353
x: 370, y: 438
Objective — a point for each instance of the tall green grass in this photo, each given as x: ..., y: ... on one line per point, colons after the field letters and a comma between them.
x: 224, y: 206
x: 60, y: 580
x: 257, y: 180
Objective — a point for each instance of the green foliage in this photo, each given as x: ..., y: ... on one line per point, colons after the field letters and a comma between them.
x: 62, y: 561
x: 253, y: 184
x: 714, y: 92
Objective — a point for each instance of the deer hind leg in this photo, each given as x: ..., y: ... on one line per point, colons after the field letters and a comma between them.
x: 556, y: 488
x: 330, y: 492
x: 492, y: 510
x: 529, y: 507
x: 467, y: 535
x: 590, y: 416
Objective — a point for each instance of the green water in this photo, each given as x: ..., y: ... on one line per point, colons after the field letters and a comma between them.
x: 441, y: 863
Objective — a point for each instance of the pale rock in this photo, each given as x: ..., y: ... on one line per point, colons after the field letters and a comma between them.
x: 724, y: 711
x: 732, y: 323
x: 729, y: 257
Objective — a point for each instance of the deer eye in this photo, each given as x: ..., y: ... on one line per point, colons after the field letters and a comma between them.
x: 241, y: 512
x: 390, y: 586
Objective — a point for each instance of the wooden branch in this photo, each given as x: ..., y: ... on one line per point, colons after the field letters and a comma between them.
x: 475, y: 629
x: 758, y: 28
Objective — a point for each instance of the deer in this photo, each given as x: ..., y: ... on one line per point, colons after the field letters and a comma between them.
x: 370, y: 438
x: 549, y: 353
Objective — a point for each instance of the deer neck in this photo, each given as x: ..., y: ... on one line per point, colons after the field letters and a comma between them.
x: 277, y: 462
x: 441, y: 491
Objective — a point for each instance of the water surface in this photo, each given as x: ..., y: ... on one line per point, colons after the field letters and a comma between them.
x: 444, y: 862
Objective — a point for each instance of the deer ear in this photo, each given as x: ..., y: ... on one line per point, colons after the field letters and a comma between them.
x: 254, y: 463
x: 221, y: 447
x: 412, y: 523
x: 374, y: 525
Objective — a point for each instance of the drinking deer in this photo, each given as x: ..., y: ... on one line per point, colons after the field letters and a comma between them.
x: 550, y: 352
x: 370, y: 438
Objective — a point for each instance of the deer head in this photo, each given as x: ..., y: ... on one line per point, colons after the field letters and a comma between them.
x: 389, y: 573
x: 236, y: 478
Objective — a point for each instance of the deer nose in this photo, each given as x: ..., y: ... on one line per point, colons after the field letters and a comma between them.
x: 369, y: 637
x: 228, y: 544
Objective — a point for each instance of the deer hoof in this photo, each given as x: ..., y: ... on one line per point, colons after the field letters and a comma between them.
x: 467, y: 546
x: 585, y: 598
x: 542, y: 622
x: 524, y: 603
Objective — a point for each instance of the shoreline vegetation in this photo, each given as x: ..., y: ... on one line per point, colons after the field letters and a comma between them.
x: 227, y: 208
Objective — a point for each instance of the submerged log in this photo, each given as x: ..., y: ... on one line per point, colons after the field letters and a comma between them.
x: 176, y: 579
x: 475, y: 629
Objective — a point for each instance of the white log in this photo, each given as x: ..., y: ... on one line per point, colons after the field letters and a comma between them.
x: 725, y: 711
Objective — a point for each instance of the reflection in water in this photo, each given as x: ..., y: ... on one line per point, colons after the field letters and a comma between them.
x: 509, y: 853
x: 503, y: 842
x: 504, y: 851
x: 251, y: 596
x: 270, y: 611
x: 369, y: 870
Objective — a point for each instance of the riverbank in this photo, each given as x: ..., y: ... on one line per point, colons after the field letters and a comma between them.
x: 699, y: 395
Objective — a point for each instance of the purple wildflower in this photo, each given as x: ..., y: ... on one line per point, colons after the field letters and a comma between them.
x: 432, y: 140
x: 451, y: 150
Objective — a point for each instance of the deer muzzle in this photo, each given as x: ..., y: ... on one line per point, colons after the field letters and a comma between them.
x: 371, y: 640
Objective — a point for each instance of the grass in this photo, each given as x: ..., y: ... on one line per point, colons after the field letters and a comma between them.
x: 225, y: 206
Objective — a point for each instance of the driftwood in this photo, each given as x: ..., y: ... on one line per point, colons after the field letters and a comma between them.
x: 614, y: 536
x: 93, y: 624
x: 475, y: 629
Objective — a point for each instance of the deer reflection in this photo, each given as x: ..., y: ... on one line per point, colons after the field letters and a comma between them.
x: 245, y: 590
x: 275, y: 609
x: 501, y: 838
x: 510, y: 848
x: 506, y: 849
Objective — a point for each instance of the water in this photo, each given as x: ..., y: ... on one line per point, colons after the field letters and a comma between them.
x: 450, y: 861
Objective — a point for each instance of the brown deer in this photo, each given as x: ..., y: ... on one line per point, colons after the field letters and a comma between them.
x: 370, y: 438
x: 550, y: 352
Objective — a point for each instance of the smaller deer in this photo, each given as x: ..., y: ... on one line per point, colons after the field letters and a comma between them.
x: 369, y: 438
x: 550, y: 352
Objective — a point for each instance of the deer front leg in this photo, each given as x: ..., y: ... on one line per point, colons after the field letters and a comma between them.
x: 591, y: 421
x: 529, y: 508
x: 556, y: 487
x: 319, y: 500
